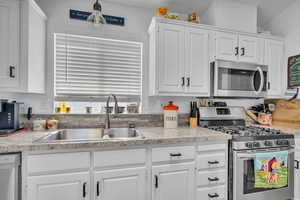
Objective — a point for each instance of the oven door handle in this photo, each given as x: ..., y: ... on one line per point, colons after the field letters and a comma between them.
x: 262, y: 81
x: 245, y: 156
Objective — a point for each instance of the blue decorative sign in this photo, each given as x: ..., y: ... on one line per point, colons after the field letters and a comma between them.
x: 83, y: 15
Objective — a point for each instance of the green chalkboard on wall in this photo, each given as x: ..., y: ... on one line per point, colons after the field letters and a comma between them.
x: 294, y: 71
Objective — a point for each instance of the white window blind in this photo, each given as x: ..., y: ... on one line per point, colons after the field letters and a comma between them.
x: 90, y: 67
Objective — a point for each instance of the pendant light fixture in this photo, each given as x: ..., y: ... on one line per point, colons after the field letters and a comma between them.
x: 96, y: 17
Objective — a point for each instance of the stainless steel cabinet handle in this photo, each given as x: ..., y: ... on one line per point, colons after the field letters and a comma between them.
x: 236, y: 51
x: 12, y: 71
x: 243, y: 51
x: 188, y: 81
x: 98, y: 189
x: 213, y: 195
x: 84, y: 190
x: 297, y: 164
x: 183, y: 81
x: 213, y: 179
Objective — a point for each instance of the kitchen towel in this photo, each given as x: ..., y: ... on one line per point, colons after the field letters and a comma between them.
x: 271, y: 170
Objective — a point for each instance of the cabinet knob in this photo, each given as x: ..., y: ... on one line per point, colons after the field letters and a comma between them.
x: 213, y: 179
x: 98, y: 189
x: 188, y: 81
x: 84, y: 190
x: 236, y: 51
x: 156, y: 181
x: 213, y: 195
x: 182, y: 81
x: 243, y: 51
x: 297, y: 164
x: 12, y: 71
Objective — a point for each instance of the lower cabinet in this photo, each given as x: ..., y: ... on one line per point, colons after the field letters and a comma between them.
x: 121, y: 184
x: 173, y: 181
x: 72, y: 186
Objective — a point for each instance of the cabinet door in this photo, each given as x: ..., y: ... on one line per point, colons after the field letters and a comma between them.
x: 121, y: 184
x: 227, y: 46
x: 297, y: 176
x: 197, y: 62
x: 171, y: 58
x: 173, y: 182
x: 73, y: 186
x: 274, y: 60
x: 250, y: 49
x: 9, y: 44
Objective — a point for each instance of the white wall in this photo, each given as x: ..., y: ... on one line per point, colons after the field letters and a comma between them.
x: 287, y: 25
x: 137, y: 22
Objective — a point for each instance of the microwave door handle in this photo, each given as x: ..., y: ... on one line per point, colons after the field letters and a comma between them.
x: 262, y: 80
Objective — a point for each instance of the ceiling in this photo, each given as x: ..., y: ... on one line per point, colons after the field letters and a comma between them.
x: 267, y: 9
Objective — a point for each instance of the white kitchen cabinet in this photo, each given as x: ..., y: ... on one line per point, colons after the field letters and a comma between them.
x: 9, y: 45
x: 171, y: 58
x: 238, y: 48
x: 274, y: 52
x: 120, y: 184
x: 197, y: 62
x: 179, y: 61
x: 173, y: 181
x: 33, y: 47
x: 251, y: 49
x: 71, y: 186
x: 227, y: 46
x: 22, y: 46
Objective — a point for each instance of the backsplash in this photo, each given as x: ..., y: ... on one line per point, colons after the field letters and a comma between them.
x: 96, y: 121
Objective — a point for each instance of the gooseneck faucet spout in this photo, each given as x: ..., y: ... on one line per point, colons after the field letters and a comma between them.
x: 107, y: 122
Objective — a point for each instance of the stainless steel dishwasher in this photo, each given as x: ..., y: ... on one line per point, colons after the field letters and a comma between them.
x: 10, y: 176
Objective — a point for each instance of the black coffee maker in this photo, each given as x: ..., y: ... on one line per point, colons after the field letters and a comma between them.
x: 9, y: 116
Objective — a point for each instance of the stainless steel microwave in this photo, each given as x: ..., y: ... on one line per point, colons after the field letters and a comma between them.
x: 231, y: 79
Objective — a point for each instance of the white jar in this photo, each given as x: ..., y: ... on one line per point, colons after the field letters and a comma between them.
x: 170, y: 116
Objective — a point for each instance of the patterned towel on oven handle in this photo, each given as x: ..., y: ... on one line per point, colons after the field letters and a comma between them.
x: 271, y: 170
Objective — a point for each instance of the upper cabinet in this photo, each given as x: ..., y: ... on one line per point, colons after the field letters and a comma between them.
x: 9, y: 45
x: 227, y: 46
x: 179, y: 61
x: 180, y: 55
x: 22, y: 47
x: 274, y: 53
x: 238, y: 48
x: 170, y: 58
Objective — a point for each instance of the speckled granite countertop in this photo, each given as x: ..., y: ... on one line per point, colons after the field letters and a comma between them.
x: 25, y: 141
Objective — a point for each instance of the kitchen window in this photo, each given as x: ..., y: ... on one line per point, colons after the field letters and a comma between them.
x: 88, y: 69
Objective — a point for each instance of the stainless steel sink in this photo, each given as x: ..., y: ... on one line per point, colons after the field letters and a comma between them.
x: 78, y: 135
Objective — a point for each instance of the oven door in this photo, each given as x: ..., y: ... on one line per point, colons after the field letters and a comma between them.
x: 244, y: 177
x: 240, y: 80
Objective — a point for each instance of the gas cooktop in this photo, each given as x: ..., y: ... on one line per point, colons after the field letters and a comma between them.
x: 242, y: 133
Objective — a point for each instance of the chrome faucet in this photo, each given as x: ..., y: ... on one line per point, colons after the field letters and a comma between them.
x: 107, y: 122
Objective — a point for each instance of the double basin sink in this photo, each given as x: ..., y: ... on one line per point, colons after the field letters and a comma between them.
x: 81, y: 135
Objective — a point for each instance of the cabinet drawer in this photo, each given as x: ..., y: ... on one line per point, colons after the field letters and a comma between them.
x: 58, y: 162
x: 211, y: 178
x: 173, y: 153
x: 119, y: 157
x: 213, y: 147
x: 212, y: 193
x: 209, y: 161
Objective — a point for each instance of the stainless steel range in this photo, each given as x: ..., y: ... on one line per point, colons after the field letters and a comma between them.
x: 246, y: 143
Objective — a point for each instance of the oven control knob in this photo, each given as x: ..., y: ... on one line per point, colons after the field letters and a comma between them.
x: 249, y: 145
x: 268, y: 143
x: 283, y: 142
x: 256, y: 144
